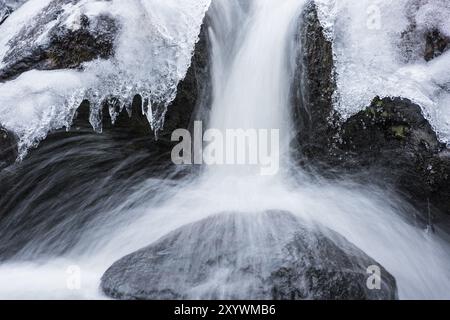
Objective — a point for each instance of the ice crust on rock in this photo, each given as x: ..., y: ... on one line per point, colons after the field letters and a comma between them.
x: 369, y: 46
x: 152, y: 53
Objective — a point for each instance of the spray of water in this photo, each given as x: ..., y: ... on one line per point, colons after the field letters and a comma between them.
x: 251, y: 89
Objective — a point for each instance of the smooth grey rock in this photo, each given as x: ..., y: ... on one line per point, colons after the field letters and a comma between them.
x: 271, y: 255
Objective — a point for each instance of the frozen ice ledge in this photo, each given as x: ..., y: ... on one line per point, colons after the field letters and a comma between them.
x: 55, y: 54
x: 391, y: 49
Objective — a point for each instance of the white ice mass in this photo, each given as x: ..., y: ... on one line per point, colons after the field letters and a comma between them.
x: 370, y: 57
x: 156, y: 39
x: 152, y: 53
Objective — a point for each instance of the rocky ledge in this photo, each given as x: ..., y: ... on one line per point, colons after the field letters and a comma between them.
x: 271, y: 255
x: 390, y: 142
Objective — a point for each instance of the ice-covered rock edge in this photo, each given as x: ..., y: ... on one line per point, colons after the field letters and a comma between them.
x: 153, y: 52
x: 367, y: 59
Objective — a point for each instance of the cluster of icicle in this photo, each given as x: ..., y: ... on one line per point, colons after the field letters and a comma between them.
x: 152, y: 53
x: 373, y: 58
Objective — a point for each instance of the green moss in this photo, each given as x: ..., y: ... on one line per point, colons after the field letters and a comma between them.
x: 400, y: 131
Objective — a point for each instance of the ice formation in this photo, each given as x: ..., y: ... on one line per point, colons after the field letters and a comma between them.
x: 378, y: 48
x: 152, y: 52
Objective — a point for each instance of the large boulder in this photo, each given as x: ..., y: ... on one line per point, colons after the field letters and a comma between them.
x: 436, y: 44
x: 313, y: 86
x: 271, y: 255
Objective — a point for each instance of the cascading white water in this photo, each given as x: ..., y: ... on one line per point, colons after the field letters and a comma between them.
x: 255, y: 92
x: 251, y: 88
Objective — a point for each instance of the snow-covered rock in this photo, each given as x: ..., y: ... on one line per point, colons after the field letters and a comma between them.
x: 112, y: 49
x: 372, y: 57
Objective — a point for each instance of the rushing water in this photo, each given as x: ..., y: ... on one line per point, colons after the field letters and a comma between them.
x: 251, y: 54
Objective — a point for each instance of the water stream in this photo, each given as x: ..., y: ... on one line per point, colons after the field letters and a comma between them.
x: 251, y: 43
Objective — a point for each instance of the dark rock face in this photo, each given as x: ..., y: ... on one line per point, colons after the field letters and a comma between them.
x: 272, y: 255
x: 389, y: 142
x: 313, y: 86
x: 436, y: 44
x: 8, y: 148
x: 66, y: 48
x: 392, y: 137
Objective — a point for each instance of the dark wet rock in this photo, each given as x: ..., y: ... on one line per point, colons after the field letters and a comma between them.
x: 66, y: 47
x: 389, y: 129
x: 93, y: 40
x: 389, y: 143
x: 8, y: 148
x: 436, y: 44
x: 273, y: 255
x: 313, y: 86
x: 437, y: 173
x: 74, y: 177
x: 391, y: 137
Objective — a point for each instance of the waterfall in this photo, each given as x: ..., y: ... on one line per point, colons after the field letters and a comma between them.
x: 251, y: 43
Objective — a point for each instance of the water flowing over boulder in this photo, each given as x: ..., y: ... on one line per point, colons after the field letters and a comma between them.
x: 273, y: 255
x: 389, y: 142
